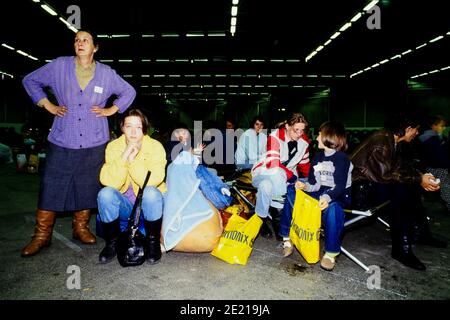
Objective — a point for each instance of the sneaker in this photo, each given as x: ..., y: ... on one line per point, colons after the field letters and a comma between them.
x: 288, y: 248
x: 327, y: 262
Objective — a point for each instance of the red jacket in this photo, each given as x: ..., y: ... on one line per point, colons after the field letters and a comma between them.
x: 277, y: 154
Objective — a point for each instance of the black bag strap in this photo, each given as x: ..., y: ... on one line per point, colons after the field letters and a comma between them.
x: 133, y: 220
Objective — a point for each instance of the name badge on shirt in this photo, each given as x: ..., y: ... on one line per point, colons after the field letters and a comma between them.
x: 98, y: 89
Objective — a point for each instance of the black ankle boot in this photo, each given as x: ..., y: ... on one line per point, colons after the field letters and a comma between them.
x: 276, y: 218
x: 152, y: 242
x: 265, y: 230
x: 422, y: 235
x: 402, y: 252
x: 111, y: 231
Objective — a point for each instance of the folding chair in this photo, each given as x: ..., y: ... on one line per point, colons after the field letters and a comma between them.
x: 363, y: 215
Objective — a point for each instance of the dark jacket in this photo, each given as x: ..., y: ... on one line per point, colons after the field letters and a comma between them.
x: 434, y: 152
x: 377, y: 159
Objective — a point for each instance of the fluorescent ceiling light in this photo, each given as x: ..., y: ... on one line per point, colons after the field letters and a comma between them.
x: 169, y: 35
x: 406, y: 52
x: 120, y: 36
x: 239, y: 60
x: 368, y: 68
x: 370, y: 5
x: 234, y: 10
x: 327, y: 43
x: 233, y: 21
x: 22, y: 53
x: 319, y: 48
x: 384, y: 61
x: 148, y: 36
x: 8, y: 47
x: 292, y: 60
x: 423, y: 74
x: 128, y: 76
x: 125, y: 60
x: 194, y: 34
x: 64, y: 21
x: 233, y: 30
x: 181, y: 60
x: 421, y: 46
x: 413, y: 77
x: 75, y: 30
x: 276, y: 60
x: 335, y: 35
x: 436, y: 39
x: 106, y: 60
x: 395, y: 57
x: 216, y: 34
x: 434, y: 71
x: 345, y: 27
x: 7, y: 74
x: 146, y: 60
x: 375, y: 65
x: 257, y: 60
x: 235, y: 2
x: 102, y: 36
x: 174, y: 75
x: 356, y: 17
x: 445, y: 68
x: 48, y: 9
x: 145, y: 75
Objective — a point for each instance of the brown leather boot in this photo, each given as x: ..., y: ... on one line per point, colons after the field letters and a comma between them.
x: 42, y: 237
x: 80, y: 227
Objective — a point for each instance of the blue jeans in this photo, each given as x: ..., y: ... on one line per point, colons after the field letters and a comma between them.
x: 333, y: 217
x: 112, y: 204
x: 269, y: 186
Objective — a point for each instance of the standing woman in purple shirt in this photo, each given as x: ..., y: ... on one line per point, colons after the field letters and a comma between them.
x: 78, y: 137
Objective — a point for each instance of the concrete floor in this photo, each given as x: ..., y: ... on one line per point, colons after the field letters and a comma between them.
x: 181, y: 276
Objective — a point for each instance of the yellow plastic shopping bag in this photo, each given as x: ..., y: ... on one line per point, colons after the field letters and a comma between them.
x: 236, y: 243
x: 305, y: 226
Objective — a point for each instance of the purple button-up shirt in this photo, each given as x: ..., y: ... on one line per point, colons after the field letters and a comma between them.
x: 79, y: 128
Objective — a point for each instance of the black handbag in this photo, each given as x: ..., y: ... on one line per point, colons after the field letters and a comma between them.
x: 131, y: 242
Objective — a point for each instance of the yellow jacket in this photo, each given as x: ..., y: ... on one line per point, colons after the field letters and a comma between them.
x: 118, y: 174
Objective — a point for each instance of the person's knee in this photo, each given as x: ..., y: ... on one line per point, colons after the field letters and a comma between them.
x: 334, y: 211
x: 152, y: 195
x: 152, y: 203
x: 265, y: 187
x: 106, y: 195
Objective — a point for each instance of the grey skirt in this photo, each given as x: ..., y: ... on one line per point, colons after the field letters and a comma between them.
x: 70, y: 180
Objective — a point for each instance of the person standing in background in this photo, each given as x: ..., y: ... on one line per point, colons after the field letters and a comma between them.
x: 251, y: 145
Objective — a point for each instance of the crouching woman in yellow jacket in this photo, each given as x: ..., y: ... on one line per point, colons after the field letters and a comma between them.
x: 127, y: 161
